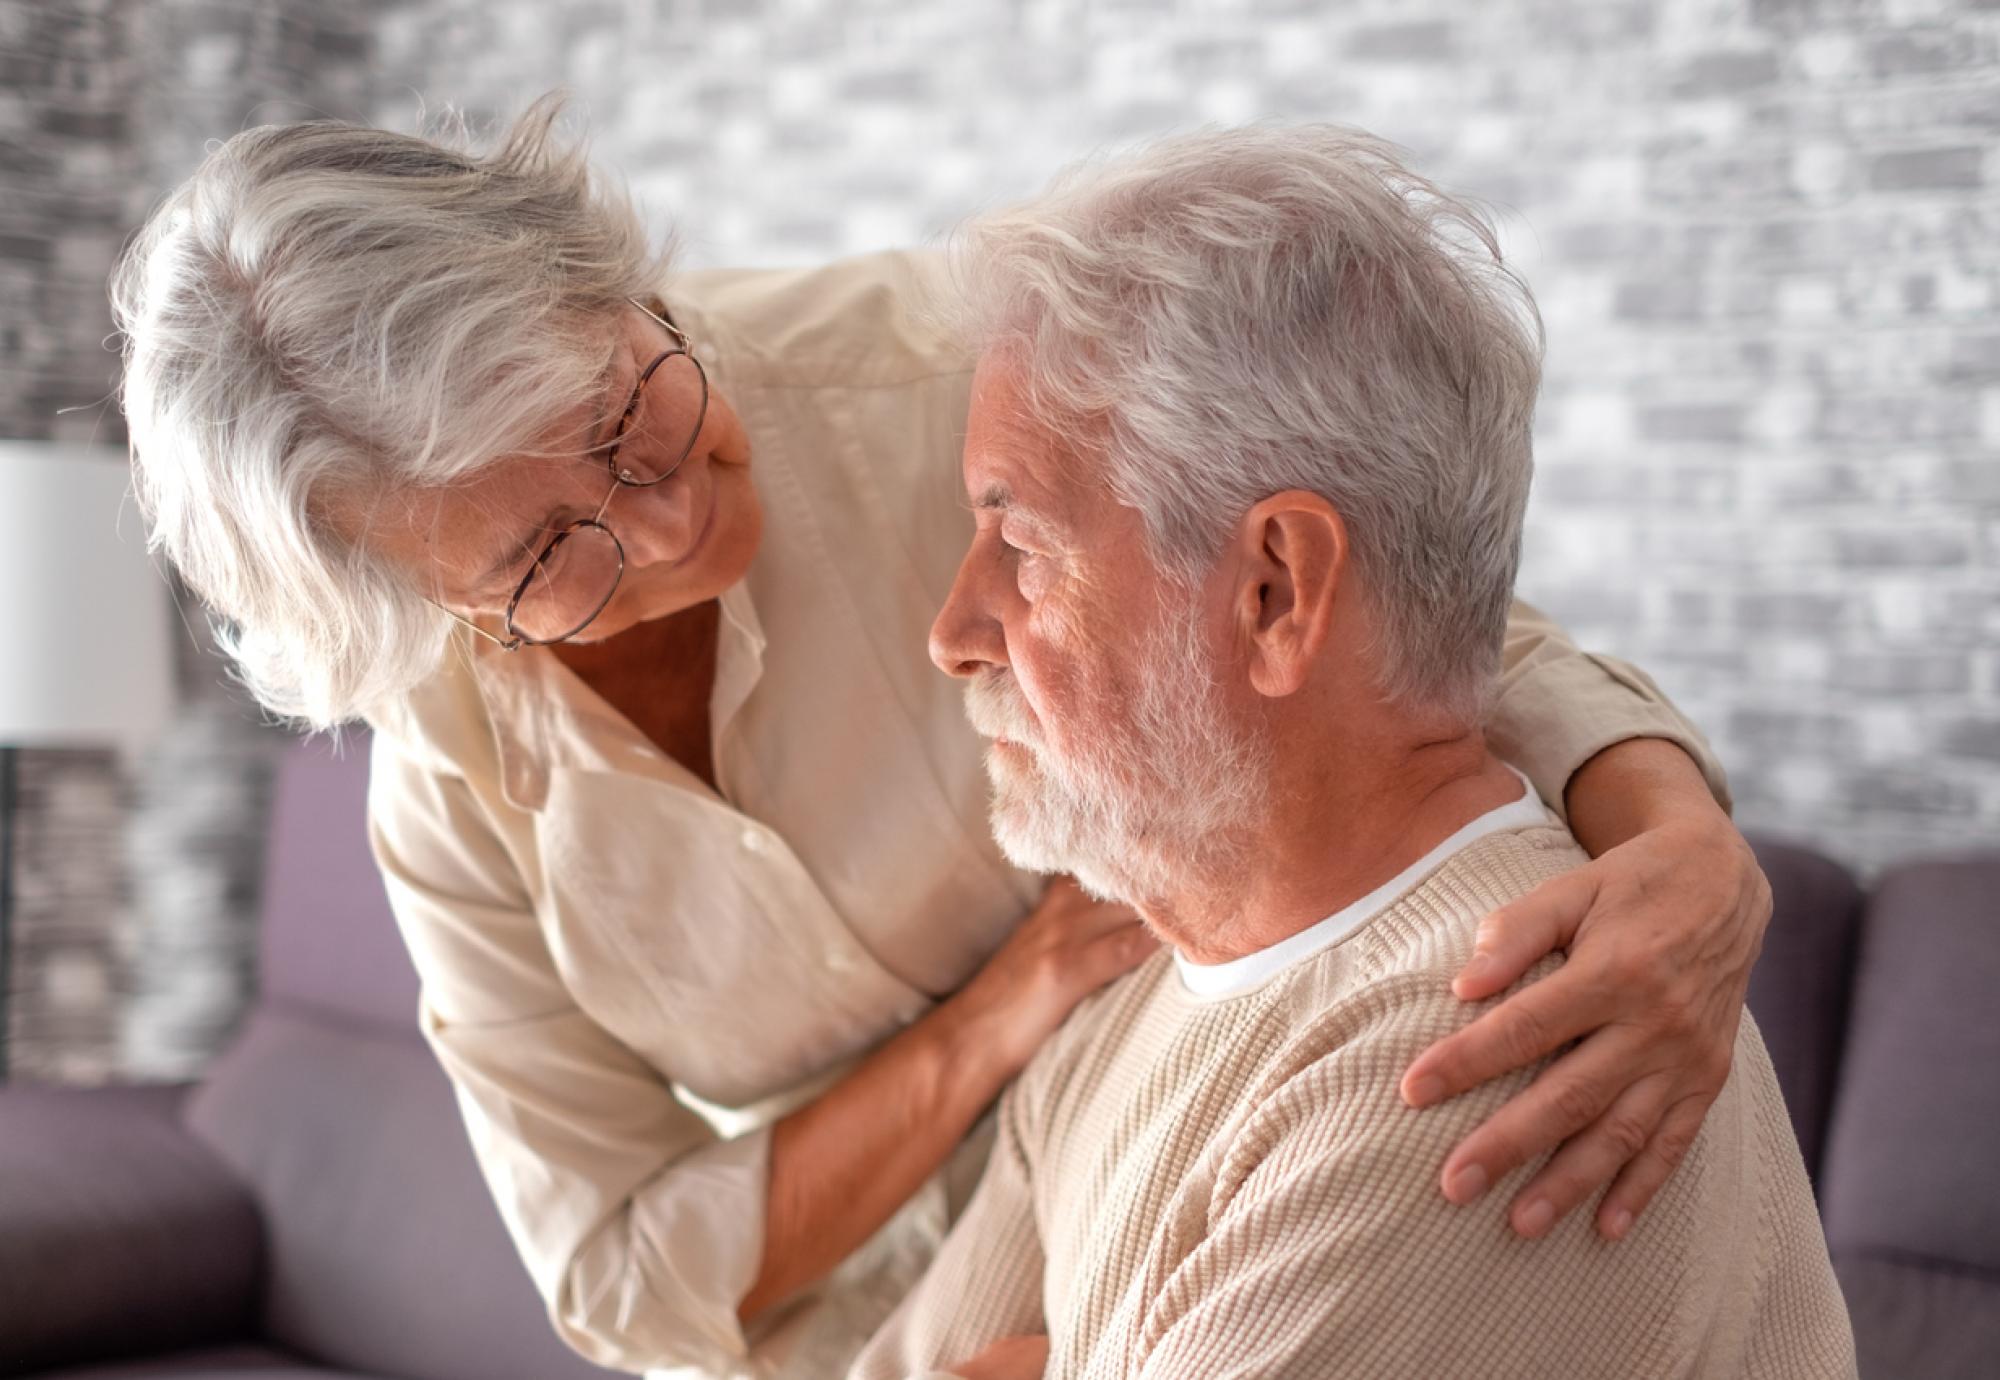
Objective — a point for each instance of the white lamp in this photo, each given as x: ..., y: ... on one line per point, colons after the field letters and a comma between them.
x: 84, y: 624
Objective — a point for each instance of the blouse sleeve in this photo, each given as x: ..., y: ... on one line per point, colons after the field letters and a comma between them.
x: 1559, y: 707
x: 641, y: 1227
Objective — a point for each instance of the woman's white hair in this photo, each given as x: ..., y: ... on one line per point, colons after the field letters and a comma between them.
x: 327, y: 314
x: 1230, y: 314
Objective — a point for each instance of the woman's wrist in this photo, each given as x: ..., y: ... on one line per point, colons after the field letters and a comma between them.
x: 973, y: 1047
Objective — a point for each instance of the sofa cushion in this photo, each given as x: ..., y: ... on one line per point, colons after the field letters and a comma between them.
x: 227, y: 1363
x: 1799, y: 989
x: 122, y: 1233
x: 1910, y: 1153
x: 328, y: 940
x: 384, y: 1252
x: 1919, y: 1322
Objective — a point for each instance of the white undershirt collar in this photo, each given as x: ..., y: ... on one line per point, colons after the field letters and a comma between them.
x: 1215, y: 981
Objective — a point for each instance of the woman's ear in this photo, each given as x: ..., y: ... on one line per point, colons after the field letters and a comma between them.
x: 1294, y: 548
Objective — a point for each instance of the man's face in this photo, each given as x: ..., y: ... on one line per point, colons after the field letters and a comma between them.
x: 1099, y: 678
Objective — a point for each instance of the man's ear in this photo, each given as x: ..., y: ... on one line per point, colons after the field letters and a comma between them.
x: 1294, y: 556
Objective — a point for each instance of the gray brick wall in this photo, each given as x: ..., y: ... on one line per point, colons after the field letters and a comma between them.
x: 1765, y: 235
x: 136, y: 878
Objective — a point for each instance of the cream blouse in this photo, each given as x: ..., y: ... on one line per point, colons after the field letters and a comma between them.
x: 628, y: 976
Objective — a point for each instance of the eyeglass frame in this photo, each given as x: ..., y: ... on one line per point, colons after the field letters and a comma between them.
x: 621, y: 479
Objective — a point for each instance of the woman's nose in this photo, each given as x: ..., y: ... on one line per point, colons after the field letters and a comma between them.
x: 656, y: 523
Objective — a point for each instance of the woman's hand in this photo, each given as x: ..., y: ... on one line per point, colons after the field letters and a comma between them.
x: 1010, y: 1358
x: 844, y: 1162
x: 1066, y: 949
x: 1662, y: 931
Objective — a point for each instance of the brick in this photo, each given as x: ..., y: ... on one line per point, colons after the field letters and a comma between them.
x: 1852, y: 417
x: 1789, y: 15
x: 1943, y: 169
x: 1769, y: 610
x: 1666, y: 300
x: 1926, y: 51
x: 1421, y: 41
x: 1899, y: 673
x: 909, y: 86
x: 1793, y: 732
x: 1974, y: 737
x: 1736, y: 177
x: 1903, y: 547
x: 1726, y: 72
x: 1691, y: 422
x: 1973, y: 359
x: 1901, y: 793
x: 1972, y: 481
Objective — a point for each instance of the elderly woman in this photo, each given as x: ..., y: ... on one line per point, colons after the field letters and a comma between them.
x: 631, y: 573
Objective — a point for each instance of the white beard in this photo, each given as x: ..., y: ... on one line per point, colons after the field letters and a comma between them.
x: 1156, y: 798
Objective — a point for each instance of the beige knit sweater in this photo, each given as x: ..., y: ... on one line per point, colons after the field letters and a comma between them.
x: 1197, y: 1188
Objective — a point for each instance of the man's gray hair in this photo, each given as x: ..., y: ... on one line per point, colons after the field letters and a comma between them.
x: 326, y: 313
x: 1227, y: 315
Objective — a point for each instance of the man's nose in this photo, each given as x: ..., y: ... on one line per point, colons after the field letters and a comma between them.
x: 966, y: 636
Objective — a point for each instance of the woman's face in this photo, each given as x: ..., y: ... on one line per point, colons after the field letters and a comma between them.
x: 686, y: 538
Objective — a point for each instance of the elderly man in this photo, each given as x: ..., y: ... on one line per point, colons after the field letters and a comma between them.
x: 1249, y: 450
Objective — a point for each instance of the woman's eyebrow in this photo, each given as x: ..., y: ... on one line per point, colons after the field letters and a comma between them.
x: 598, y: 433
x: 596, y: 437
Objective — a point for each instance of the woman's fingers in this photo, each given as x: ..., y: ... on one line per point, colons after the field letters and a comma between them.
x: 1591, y: 1158
x: 1065, y: 905
x: 1533, y: 1023
x: 1518, y: 935
x: 1633, y: 1191
x: 1566, y: 1097
x: 1010, y: 1358
x: 1116, y: 952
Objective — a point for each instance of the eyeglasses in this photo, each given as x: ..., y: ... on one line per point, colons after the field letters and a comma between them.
x: 577, y: 573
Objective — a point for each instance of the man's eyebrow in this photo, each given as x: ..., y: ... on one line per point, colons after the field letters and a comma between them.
x: 998, y: 498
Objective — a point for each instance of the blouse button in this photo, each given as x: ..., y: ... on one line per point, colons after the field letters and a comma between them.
x: 753, y: 840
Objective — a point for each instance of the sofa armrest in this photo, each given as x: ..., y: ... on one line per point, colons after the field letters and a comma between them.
x: 120, y: 1233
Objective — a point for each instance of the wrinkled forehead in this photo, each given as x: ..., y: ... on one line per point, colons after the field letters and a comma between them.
x: 456, y: 530
x: 539, y: 468
x: 1018, y: 461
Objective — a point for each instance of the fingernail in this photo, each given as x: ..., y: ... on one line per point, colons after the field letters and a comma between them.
x: 1426, y: 1090
x: 1536, y: 1217
x: 1479, y: 967
x: 1620, y: 1223
x: 1466, y: 1185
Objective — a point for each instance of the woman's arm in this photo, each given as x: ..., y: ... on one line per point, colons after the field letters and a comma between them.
x: 1662, y: 929
x: 648, y: 1236
x: 841, y: 1166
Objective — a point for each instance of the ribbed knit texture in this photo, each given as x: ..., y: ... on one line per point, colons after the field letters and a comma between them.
x: 1234, y: 1188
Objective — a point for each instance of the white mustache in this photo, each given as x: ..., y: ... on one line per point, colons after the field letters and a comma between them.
x: 997, y: 709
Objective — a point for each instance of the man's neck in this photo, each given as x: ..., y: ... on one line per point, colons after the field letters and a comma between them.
x: 1333, y: 837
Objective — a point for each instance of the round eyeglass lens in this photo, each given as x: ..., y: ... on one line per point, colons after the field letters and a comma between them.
x: 661, y: 430
x: 570, y: 587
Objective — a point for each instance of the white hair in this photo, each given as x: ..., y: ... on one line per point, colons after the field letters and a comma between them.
x: 326, y: 313
x: 1156, y: 798
x: 1230, y: 314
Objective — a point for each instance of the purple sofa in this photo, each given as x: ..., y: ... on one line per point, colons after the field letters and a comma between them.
x: 312, y: 1209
